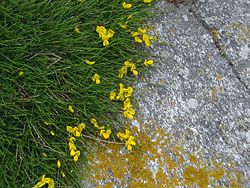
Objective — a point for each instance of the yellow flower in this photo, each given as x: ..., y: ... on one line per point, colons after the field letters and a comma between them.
x: 21, y: 73
x: 44, y: 181
x: 123, y: 136
x: 137, y: 39
x: 126, y: 5
x: 142, y: 31
x: 70, y: 109
x: 130, y: 142
x: 129, y: 17
x: 45, y: 155
x: 105, y: 34
x: 112, y: 95
x: 77, y: 154
x: 105, y: 134
x: 52, y: 133
x: 77, y: 30
x: 76, y: 132
x: 89, y: 62
x: 58, y: 163
x: 133, y: 69
x: 72, y: 152
x: 147, y: 1
x: 96, y: 79
x: 124, y: 26
x: 63, y: 174
x: 81, y: 126
x: 146, y: 39
x: 129, y: 113
x: 148, y: 62
x: 94, y: 122
x: 128, y: 92
x: 123, y: 71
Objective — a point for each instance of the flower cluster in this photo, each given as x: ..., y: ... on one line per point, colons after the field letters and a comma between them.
x: 123, y: 93
x: 129, y: 140
x: 77, y: 130
x: 141, y: 36
x: 128, y: 109
x: 74, y: 132
x: 124, y: 70
x: 45, y: 181
x: 73, y: 150
x: 104, y: 133
x: 148, y: 62
x: 105, y: 34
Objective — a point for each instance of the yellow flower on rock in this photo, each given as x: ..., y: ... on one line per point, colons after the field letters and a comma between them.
x: 70, y: 109
x: 43, y: 181
x: 89, y: 62
x: 96, y: 79
x: 148, y: 62
x: 130, y: 142
x: 127, y: 64
x: 105, y: 134
x: 141, y: 36
x: 59, y: 164
x: 127, y: 5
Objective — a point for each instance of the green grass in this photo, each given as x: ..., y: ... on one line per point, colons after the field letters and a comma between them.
x: 37, y: 37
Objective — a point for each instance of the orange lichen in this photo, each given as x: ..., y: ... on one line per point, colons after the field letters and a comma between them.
x: 132, y: 169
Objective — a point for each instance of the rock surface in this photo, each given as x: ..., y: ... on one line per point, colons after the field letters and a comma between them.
x: 193, y: 115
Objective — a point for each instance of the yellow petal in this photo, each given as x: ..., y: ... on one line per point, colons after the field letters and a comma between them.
x: 52, y: 133
x: 69, y: 129
x: 58, y: 163
x: 126, y: 5
x: 81, y: 126
x: 21, y: 73
x: 129, y: 147
x: 63, y: 174
x: 72, y: 152
x: 89, y: 62
x: 70, y: 109
x: 137, y: 39
x: 75, y: 158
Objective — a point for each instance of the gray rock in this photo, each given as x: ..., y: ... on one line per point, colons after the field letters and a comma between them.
x: 193, y: 92
x: 229, y: 23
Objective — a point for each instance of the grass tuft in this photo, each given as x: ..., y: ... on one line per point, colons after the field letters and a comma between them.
x: 43, y: 72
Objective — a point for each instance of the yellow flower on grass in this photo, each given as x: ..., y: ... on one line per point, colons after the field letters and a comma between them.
x: 96, y: 79
x: 105, y: 134
x: 94, y: 122
x: 58, y: 163
x: 63, y: 174
x: 43, y: 181
x: 105, y: 34
x: 77, y: 155
x: 124, y: 25
x: 21, y: 73
x: 81, y: 126
x: 45, y: 155
x: 146, y: 39
x: 137, y: 39
x: 70, y: 109
x: 74, y: 130
x: 123, y: 71
x: 148, y: 62
x: 127, y: 5
x: 147, y: 1
x: 130, y: 142
x: 77, y: 30
x: 112, y: 95
x: 89, y: 62
x: 52, y: 133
